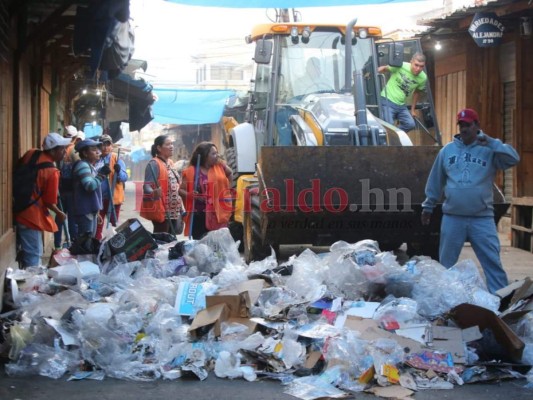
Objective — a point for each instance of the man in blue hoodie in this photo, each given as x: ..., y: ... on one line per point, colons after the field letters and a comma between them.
x: 463, y: 175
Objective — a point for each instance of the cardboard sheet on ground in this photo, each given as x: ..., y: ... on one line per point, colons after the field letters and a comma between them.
x: 370, y: 330
x: 391, y: 392
x: 451, y: 340
x: 415, y: 332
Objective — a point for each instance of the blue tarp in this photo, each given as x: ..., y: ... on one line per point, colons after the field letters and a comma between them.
x: 283, y: 3
x: 189, y: 107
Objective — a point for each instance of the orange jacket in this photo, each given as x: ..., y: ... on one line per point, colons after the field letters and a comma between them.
x: 163, y: 184
x: 37, y: 216
x: 219, y: 197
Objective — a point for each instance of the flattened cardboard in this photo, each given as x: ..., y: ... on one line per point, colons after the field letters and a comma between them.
x: 370, y: 330
x: 450, y: 340
x: 312, y: 359
x: 471, y: 334
x: 391, y: 392
x: 359, y: 324
x: 467, y: 315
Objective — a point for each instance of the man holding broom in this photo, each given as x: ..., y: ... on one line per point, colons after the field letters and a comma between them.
x: 112, y: 187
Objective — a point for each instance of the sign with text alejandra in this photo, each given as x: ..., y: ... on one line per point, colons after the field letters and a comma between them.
x: 486, y: 29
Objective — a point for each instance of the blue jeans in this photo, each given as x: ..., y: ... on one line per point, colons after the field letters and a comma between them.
x: 393, y: 111
x: 481, y: 232
x: 67, y: 200
x: 86, y: 224
x: 31, y: 243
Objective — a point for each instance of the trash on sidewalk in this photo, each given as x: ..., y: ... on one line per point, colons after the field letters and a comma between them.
x: 349, y: 320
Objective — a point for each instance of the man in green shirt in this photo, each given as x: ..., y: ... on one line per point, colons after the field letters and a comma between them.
x: 408, y: 79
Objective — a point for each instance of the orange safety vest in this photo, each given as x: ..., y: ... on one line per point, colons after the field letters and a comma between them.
x: 218, y: 191
x: 118, y: 193
x: 163, y: 184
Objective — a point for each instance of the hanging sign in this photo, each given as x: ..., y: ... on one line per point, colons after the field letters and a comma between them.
x: 486, y: 29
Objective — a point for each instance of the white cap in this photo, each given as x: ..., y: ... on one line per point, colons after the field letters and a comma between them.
x: 53, y: 140
x: 80, y: 135
x: 70, y: 131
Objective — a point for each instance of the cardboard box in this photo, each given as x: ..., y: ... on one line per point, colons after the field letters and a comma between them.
x: 239, y: 299
x: 238, y: 304
x: 468, y: 315
x: 132, y: 239
x: 231, y: 305
x: 207, y: 317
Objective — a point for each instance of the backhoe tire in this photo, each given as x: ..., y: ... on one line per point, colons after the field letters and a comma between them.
x: 236, y: 230
x: 231, y: 160
x: 254, y: 248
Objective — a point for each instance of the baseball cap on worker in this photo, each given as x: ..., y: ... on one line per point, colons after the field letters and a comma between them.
x: 106, y: 138
x: 70, y: 131
x: 85, y: 143
x: 53, y: 140
x: 467, y: 115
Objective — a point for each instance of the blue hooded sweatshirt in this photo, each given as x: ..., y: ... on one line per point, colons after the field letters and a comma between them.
x: 464, y: 174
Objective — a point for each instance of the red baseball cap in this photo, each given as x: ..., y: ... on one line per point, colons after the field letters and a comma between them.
x: 467, y: 115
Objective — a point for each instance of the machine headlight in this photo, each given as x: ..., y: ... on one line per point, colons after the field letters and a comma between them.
x: 306, y: 34
x: 294, y: 35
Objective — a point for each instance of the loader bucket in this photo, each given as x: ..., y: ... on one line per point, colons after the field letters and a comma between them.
x: 320, y: 195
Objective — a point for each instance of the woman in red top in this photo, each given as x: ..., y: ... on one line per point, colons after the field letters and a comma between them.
x: 211, y: 200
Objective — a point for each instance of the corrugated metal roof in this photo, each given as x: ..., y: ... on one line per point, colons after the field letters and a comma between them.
x: 443, y: 21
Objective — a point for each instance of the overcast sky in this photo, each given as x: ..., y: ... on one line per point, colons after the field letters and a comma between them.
x: 167, y: 35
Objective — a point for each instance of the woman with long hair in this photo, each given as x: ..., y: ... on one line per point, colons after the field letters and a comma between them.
x: 206, y: 191
x: 161, y: 201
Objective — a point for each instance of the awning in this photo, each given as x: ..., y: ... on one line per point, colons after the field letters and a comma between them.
x: 189, y: 107
x: 283, y: 3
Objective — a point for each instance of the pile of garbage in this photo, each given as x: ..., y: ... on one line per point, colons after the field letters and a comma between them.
x: 348, y: 320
